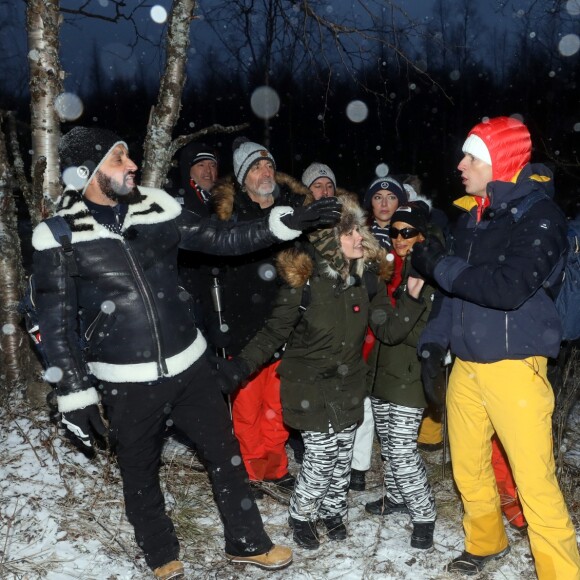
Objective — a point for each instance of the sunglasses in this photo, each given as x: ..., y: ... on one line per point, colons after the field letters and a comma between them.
x: 405, y: 232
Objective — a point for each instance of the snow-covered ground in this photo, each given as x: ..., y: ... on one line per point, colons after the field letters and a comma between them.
x: 62, y: 518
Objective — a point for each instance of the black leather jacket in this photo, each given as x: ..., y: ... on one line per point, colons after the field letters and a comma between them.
x: 123, y: 318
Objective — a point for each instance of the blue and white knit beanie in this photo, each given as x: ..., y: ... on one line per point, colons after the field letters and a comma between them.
x: 386, y: 183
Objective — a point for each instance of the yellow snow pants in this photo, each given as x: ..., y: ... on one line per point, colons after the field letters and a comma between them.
x: 514, y: 399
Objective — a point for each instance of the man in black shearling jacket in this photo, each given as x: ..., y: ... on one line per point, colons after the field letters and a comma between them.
x: 116, y: 327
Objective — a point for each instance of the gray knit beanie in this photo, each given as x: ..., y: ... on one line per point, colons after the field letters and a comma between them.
x: 246, y: 153
x: 316, y: 170
x: 82, y: 151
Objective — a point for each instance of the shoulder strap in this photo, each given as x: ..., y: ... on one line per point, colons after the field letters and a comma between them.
x: 62, y: 234
x: 523, y: 206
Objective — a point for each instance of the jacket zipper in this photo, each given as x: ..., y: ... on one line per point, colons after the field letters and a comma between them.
x: 506, y: 333
x: 465, y: 342
x: 149, y: 309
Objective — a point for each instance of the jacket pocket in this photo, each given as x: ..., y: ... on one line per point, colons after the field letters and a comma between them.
x: 98, y: 329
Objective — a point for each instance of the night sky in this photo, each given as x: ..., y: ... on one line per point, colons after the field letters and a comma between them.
x: 132, y: 51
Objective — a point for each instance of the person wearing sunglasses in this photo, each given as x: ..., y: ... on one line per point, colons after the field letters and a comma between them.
x: 397, y: 395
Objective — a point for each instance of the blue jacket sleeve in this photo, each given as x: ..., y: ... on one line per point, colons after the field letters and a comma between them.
x: 508, y: 279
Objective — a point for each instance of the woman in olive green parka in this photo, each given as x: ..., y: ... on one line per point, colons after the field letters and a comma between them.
x: 322, y: 372
x: 398, y: 399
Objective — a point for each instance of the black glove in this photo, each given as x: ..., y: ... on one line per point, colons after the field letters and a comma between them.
x: 84, y: 423
x: 230, y: 373
x: 432, y: 356
x: 321, y: 213
x: 426, y: 255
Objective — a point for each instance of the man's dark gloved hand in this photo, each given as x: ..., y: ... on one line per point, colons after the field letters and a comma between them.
x: 321, y: 213
x: 426, y: 255
x: 432, y: 356
x: 84, y: 423
x: 230, y: 373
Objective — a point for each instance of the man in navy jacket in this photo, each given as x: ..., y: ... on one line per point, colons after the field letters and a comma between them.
x: 499, y: 319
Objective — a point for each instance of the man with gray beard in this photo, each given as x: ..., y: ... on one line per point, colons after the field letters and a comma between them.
x: 249, y: 289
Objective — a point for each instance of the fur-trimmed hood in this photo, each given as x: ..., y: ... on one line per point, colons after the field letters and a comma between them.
x: 296, y: 265
x: 225, y: 190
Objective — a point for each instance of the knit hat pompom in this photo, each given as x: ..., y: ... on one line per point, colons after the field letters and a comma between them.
x: 387, y: 183
x: 246, y: 153
x: 315, y: 171
x: 238, y: 141
x: 82, y: 151
x: 416, y: 214
x: 502, y: 142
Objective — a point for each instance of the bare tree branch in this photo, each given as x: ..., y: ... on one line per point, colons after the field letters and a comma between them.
x: 183, y: 140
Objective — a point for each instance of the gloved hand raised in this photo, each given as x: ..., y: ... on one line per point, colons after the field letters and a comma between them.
x: 230, y: 373
x: 426, y: 255
x: 432, y: 356
x: 84, y: 423
x: 321, y: 213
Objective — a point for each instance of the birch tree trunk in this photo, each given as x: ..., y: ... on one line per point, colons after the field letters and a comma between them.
x: 32, y: 198
x: 43, y: 22
x: 15, y: 357
x: 157, y: 149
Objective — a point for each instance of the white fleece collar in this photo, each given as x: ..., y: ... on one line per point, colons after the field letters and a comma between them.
x: 156, y: 207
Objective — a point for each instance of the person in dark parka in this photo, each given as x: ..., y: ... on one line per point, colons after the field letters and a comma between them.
x: 499, y: 319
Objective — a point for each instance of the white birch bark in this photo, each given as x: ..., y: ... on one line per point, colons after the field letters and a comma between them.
x: 43, y: 21
x: 164, y: 115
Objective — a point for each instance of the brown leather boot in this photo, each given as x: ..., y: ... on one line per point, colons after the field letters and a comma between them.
x: 169, y: 571
x: 275, y: 558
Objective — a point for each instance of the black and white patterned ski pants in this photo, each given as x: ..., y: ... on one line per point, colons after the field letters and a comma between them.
x: 404, y: 470
x: 322, y: 485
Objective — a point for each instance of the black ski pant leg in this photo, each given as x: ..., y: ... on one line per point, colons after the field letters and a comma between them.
x: 137, y: 414
x: 201, y: 412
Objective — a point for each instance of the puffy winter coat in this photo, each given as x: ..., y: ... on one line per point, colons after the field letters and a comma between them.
x: 323, y: 375
x: 125, y: 304
x: 395, y: 374
x: 496, y: 275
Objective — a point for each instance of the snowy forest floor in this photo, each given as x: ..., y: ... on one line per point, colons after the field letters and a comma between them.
x: 62, y: 517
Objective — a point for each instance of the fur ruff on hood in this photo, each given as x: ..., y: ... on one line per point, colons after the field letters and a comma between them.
x: 225, y: 190
x: 295, y: 266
